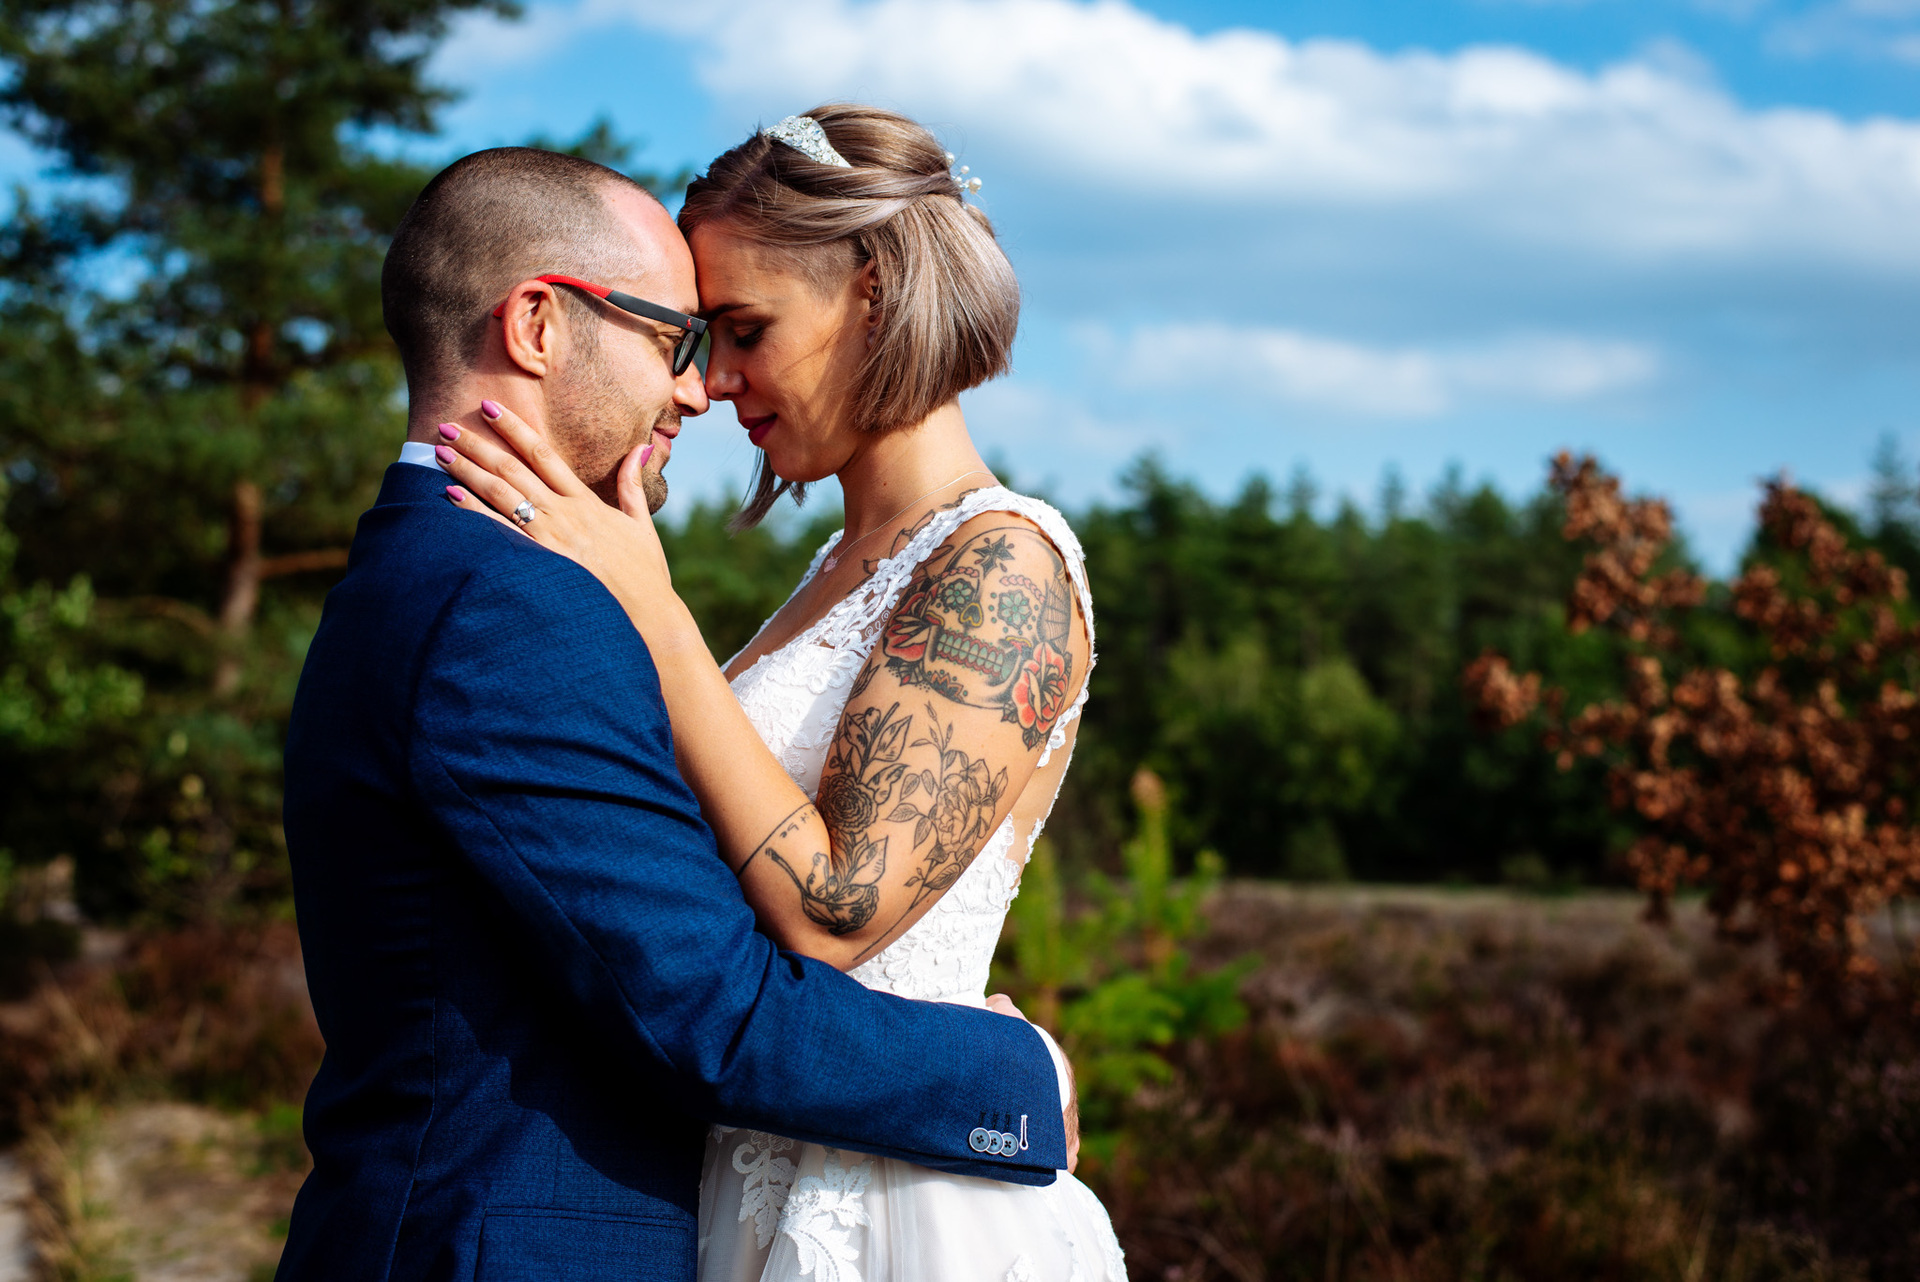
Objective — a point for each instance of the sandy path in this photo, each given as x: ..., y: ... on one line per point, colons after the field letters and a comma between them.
x: 16, y: 1260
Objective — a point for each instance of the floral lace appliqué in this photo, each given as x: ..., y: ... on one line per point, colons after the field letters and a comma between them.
x: 790, y: 692
x: 821, y: 1214
x: 769, y: 1180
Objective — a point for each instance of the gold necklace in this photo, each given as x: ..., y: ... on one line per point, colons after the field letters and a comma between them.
x: 833, y: 558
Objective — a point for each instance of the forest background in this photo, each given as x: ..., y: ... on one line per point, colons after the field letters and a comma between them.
x: 197, y: 399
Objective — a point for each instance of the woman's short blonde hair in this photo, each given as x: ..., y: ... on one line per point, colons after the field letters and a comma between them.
x: 948, y: 300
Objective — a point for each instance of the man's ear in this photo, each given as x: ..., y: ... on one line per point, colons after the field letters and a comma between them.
x: 532, y: 327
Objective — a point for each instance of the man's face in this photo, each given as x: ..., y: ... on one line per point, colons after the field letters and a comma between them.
x: 615, y: 389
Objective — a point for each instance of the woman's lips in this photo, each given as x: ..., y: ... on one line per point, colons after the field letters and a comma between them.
x: 757, y: 428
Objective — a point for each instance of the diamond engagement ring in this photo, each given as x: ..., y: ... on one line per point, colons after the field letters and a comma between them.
x: 524, y: 513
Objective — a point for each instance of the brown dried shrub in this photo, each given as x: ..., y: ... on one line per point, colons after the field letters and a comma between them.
x: 1786, y: 790
x: 216, y: 1012
x: 1441, y: 1086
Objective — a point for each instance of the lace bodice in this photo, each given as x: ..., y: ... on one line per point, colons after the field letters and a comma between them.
x: 794, y: 696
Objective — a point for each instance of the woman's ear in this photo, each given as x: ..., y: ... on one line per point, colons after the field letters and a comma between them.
x: 531, y: 327
x: 869, y: 285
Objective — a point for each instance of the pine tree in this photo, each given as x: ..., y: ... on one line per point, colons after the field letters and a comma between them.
x: 198, y: 400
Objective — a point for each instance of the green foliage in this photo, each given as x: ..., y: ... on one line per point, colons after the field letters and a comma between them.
x: 1114, y: 981
x: 733, y: 582
x: 200, y: 399
x: 51, y: 696
x: 1295, y: 680
x: 197, y: 400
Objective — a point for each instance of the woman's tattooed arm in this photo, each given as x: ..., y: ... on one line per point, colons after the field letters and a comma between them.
x: 840, y: 887
x: 951, y: 805
x: 989, y: 625
x: 943, y: 727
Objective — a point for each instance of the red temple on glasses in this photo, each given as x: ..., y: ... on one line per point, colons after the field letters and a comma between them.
x: 598, y: 291
x: 693, y: 325
x: 690, y: 327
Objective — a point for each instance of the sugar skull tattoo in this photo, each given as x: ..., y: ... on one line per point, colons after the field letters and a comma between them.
x: 987, y: 624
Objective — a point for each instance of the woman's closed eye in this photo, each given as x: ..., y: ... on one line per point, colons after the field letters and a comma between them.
x: 749, y: 336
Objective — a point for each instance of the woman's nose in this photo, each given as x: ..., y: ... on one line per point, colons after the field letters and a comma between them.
x: 723, y: 381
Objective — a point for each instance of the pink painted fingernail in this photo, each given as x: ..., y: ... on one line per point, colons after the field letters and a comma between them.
x: 444, y: 454
x: 646, y: 456
x: 490, y: 408
x: 457, y: 494
x: 450, y: 430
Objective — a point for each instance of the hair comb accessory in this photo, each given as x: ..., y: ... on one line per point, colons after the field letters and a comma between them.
x: 960, y: 176
x: 804, y: 135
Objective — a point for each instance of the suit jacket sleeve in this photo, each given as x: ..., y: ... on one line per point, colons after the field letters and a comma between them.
x: 542, y: 747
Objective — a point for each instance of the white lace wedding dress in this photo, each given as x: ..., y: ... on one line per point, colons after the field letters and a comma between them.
x: 779, y: 1210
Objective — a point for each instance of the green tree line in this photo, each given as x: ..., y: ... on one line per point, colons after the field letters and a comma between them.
x: 197, y: 398
x: 1294, y: 676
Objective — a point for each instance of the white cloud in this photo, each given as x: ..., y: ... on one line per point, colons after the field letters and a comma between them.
x: 1250, y: 364
x: 1644, y: 158
x: 1639, y: 158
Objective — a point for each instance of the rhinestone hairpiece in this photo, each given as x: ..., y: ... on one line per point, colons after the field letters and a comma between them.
x: 804, y: 135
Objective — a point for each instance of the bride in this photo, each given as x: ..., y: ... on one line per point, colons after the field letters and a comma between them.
x: 878, y: 761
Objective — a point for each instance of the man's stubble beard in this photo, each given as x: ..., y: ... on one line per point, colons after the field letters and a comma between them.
x: 593, y: 431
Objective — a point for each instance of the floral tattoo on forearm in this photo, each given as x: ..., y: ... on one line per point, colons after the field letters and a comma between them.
x: 951, y: 808
x: 988, y: 625
x: 956, y: 816
x: 839, y: 887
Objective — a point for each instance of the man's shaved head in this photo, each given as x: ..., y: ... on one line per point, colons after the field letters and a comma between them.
x: 484, y: 224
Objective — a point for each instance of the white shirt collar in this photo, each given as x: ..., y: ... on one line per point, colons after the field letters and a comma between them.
x: 420, y: 454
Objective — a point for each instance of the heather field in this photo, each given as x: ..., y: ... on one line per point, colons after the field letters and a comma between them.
x: 1437, y: 1085
x: 1426, y: 1084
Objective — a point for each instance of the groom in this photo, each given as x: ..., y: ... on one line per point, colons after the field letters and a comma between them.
x: 537, y: 981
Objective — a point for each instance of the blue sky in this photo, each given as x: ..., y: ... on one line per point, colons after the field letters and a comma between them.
x: 1683, y: 234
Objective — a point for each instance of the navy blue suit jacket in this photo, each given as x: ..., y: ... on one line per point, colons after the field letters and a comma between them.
x: 536, y: 978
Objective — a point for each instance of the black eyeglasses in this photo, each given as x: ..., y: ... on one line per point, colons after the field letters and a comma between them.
x: 691, y: 328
